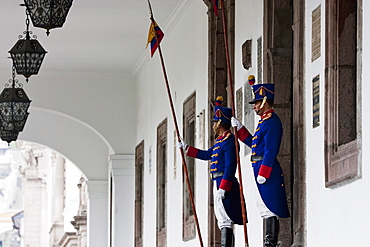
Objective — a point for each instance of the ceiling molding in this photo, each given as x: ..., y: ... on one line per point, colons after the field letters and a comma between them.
x: 166, y: 28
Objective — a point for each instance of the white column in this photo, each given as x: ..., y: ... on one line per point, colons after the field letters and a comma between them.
x: 97, y: 213
x: 57, y: 197
x: 123, y: 199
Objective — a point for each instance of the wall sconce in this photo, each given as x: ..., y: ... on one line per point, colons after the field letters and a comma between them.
x: 48, y: 14
x: 27, y: 54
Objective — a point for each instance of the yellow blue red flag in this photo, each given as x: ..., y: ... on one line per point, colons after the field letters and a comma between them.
x: 155, y: 37
x: 216, y: 6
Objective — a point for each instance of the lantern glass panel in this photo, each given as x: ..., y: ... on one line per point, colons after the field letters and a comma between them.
x: 48, y: 14
x: 13, y: 111
x: 14, y: 125
x: 27, y: 56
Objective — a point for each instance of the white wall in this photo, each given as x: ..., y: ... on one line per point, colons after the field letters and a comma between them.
x: 335, y: 217
x: 248, y: 25
x: 185, y: 50
x: 187, y: 72
x: 74, y: 139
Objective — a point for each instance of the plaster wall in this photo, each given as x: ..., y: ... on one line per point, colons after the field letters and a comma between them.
x: 84, y: 115
x: 248, y: 26
x: 102, y: 100
x: 186, y: 76
x: 74, y: 139
x: 89, y: 124
x: 337, y: 216
x: 185, y: 50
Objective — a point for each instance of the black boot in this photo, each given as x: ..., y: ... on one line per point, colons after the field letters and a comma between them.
x: 272, y: 232
x: 227, y: 237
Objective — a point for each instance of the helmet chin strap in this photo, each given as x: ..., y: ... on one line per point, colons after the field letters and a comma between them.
x: 263, y: 102
x: 216, y: 127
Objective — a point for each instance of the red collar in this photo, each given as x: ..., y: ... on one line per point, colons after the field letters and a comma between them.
x: 224, y: 134
x: 264, y: 115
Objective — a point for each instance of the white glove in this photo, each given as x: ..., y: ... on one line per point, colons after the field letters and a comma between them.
x: 182, y: 144
x: 236, y: 123
x: 221, y: 192
x: 260, y: 179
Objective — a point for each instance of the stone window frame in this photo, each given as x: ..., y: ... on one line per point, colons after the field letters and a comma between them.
x: 342, y: 98
x: 189, y: 116
x: 161, y: 185
x: 139, y: 193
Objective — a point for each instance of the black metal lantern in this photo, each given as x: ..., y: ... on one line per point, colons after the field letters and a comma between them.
x: 27, y: 54
x: 14, y: 105
x: 8, y: 136
x: 48, y: 14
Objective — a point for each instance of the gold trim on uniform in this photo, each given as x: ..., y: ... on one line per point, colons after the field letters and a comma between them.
x: 214, y: 155
x: 214, y: 162
x: 213, y: 170
x: 254, y: 145
x: 268, y: 115
x: 227, y: 136
x: 254, y: 138
x: 216, y: 148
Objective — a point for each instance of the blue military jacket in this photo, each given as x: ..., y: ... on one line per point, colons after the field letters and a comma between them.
x: 223, y: 165
x: 266, y: 144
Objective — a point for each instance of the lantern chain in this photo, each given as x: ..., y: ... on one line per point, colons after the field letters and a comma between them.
x: 27, y: 33
x: 14, y: 83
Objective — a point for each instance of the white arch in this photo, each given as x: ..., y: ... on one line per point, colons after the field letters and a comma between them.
x: 76, y: 140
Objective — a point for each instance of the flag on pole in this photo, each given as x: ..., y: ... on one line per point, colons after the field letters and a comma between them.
x: 216, y: 6
x: 155, y: 37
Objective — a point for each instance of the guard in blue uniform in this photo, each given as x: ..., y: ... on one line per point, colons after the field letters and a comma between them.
x: 265, y: 145
x: 223, y: 166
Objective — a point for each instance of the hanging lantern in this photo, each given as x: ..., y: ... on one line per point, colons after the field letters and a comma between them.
x: 48, y: 14
x: 27, y: 54
x: 8, y: 136
x: 14, y: 105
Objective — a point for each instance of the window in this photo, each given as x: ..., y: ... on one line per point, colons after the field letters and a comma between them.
x: 161, y: 183
x: 139, y: 198
x: 188, y: 230
x: 342, y: 117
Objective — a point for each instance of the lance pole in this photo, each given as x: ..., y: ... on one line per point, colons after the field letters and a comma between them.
x: 184, y: 166
x: 242, y: 201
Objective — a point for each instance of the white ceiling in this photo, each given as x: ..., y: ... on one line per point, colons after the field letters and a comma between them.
x: 99, y: 35
x: 87, y: 74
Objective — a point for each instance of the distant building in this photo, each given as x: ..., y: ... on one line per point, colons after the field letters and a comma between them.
x: 51, y: 187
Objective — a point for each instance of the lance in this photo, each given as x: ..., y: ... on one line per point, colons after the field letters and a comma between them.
x: 184, y: 166
x: 242, y: 201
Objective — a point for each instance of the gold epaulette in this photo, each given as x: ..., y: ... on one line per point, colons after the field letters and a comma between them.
x: 227, y: 136
x: 268, y: 115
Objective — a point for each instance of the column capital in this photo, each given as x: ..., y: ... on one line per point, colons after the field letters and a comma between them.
x: 97, y: 188
x: 122, y: 164
x: 122, y: 157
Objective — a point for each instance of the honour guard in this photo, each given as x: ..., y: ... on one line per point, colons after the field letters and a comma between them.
x: 265, y: 144
x: 223, y: 166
